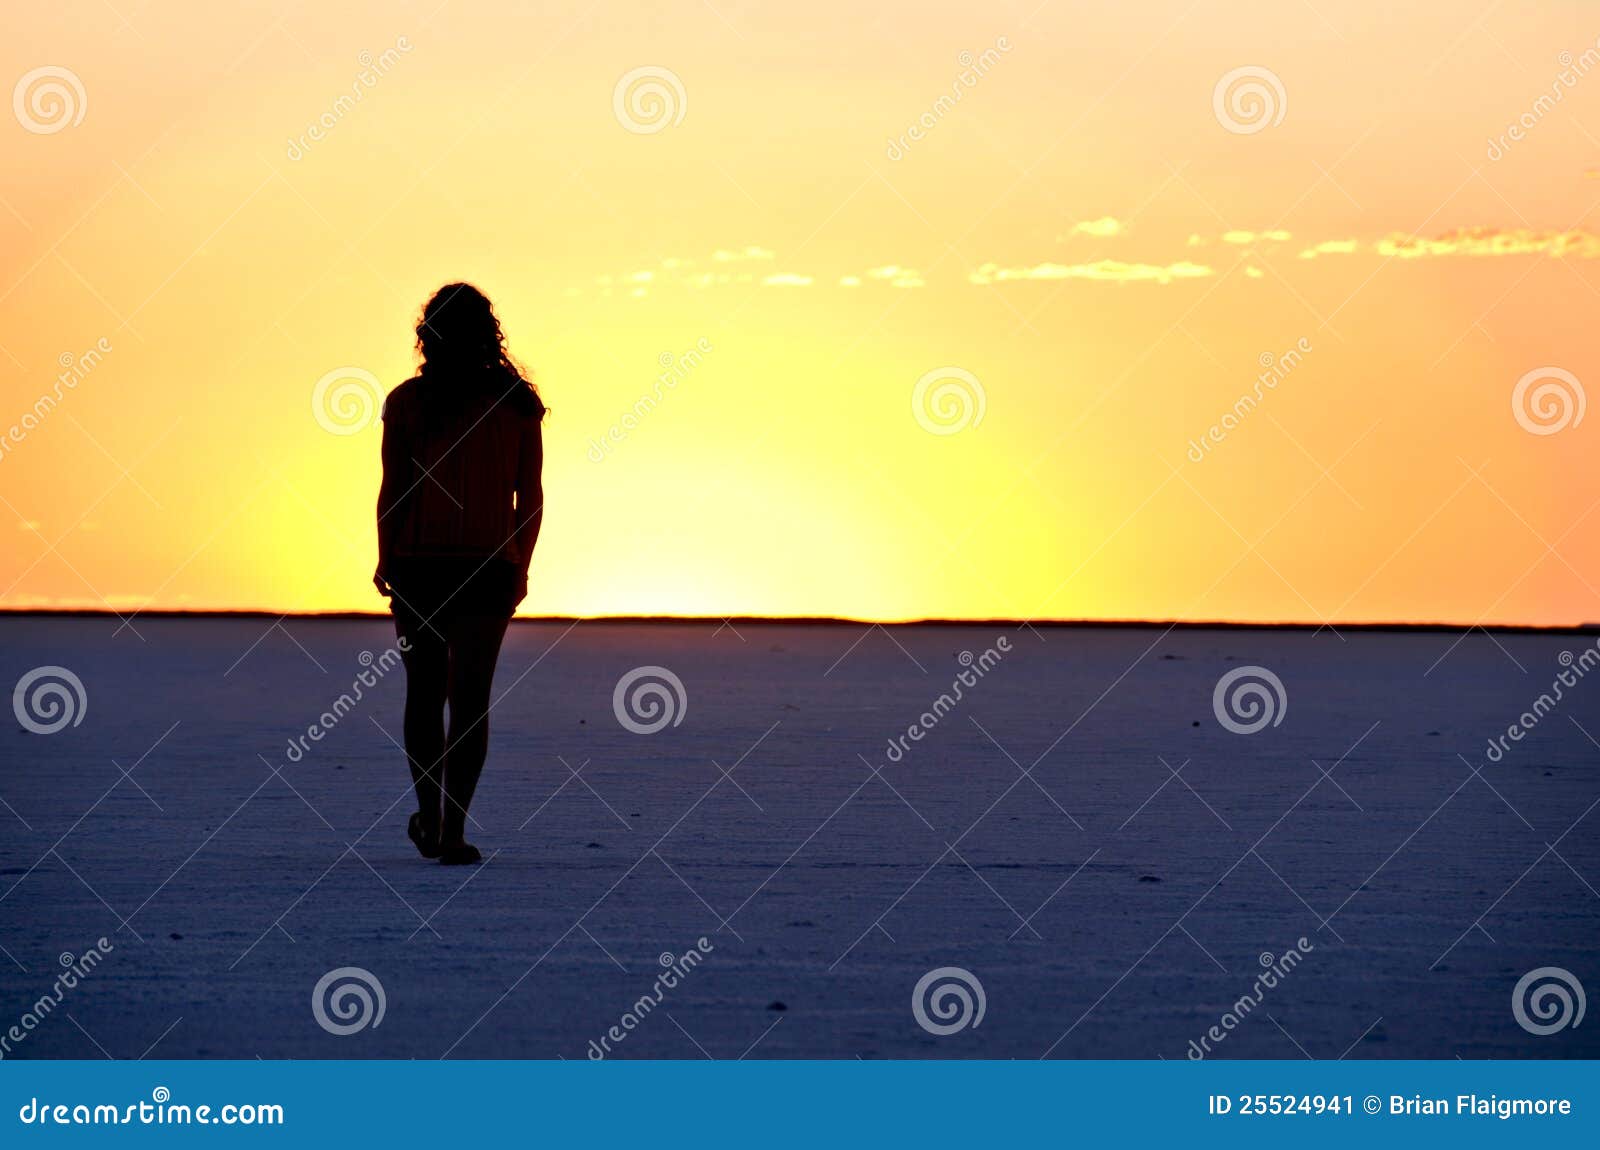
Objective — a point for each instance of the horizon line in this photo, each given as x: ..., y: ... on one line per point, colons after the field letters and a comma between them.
x: 833, y: 620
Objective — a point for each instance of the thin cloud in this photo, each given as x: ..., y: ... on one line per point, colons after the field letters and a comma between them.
x: 1481, y: 242
x: 725, y: 256
x: 897, y: 276
x: 1476, y: 243
x: 1329, y: 248
x: 1243, y: 238
x: 1104, y: 226
x: 1113, y: 271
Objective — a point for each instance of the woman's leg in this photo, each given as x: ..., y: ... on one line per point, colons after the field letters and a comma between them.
x: 427, y: 662
x: 474, y: 650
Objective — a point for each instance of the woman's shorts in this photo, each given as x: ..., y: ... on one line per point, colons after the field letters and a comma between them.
x: 438, y: 591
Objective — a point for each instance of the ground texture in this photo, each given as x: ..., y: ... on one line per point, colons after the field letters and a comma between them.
x: 1080, y: 836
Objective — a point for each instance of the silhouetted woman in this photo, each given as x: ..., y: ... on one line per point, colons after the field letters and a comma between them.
x: 458, y: 515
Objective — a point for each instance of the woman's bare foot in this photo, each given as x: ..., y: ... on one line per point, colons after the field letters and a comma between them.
x: 459, y: 854
x: 425, y: 837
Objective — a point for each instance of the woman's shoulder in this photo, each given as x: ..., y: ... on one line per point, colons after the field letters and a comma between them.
x: 526, y: 403
x: 513, y: 392
x: 400, y: 398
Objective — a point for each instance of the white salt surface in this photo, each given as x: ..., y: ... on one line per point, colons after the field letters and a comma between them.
x: 1034, y: 837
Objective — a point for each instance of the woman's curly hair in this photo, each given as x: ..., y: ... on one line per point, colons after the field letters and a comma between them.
x: 460, y: 341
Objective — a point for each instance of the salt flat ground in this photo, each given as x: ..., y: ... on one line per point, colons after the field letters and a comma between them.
x: 1037, y: 837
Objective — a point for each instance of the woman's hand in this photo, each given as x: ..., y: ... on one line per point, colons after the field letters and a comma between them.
x: 381, y: 582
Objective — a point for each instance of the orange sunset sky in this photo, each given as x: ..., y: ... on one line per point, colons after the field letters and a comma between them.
x: 949, y: 299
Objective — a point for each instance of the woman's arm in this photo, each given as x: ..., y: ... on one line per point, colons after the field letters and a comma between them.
x: 530, y: 492
x: 395, y: 467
